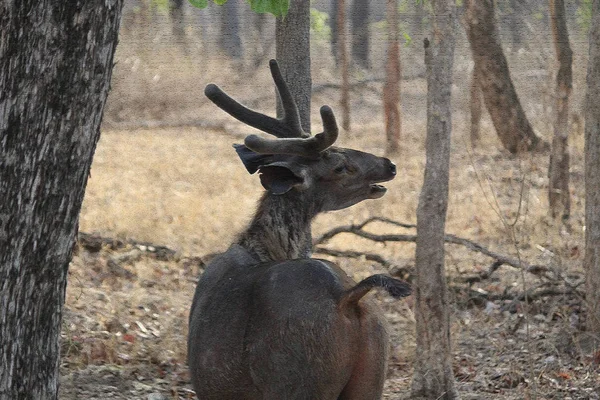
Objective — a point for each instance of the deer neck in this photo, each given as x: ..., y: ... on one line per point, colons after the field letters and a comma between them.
x: 280, y: 229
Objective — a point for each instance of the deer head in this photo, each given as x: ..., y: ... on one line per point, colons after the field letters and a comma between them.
x: 296, y: 163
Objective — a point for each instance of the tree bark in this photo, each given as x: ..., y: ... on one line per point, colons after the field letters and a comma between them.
x: 592, y: 176
x: 230, y: 40
x: 55, y: 66
x: 391, y: 88
x: 558, y: 171
x: 475, y: 108
x: 292, y: 42
x: 343, y: 59
x: 499, y: 93
x: 433, y: 377
x: 360, y: 33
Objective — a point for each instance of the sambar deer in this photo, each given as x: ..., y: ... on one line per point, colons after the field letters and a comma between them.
x: 267, y: 321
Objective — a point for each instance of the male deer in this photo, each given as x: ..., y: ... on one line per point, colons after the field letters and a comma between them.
x: 267, y: 321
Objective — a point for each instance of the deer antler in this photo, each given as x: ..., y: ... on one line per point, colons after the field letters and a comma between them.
x: 291, y: 137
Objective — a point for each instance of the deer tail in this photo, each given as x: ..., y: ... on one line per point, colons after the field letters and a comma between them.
x: 394, y: 287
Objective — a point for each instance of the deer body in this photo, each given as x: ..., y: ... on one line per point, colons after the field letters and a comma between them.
x: 267, y: 321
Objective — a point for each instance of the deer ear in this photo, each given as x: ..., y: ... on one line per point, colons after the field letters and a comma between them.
x: 251, y: 160
x: 278, y: 178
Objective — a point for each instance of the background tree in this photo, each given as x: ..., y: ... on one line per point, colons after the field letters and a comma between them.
x: 475, y: 108
x: 344, y: 62
x: 178, y: 23
x: 292, y: 51
x: 559, y: 197
x: 230, y: 40
x: 360, y: 33
x: 391, y: 88
x: 499, y: 93
x: 333, y: 24
x: 56, y: 61
x: 433, y: 376
x: 592, y: 175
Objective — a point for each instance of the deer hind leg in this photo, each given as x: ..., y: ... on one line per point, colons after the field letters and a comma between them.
x: 368, y: 376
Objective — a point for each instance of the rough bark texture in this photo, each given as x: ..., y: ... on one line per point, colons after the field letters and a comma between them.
x: 592, y: 176
x: 433, y: 376
x: 230, y: 40
x: 499, y: 93
x: 55, y: 67
x: 343, y: 59
x: 558, y: 171
x: 292, y: 36
x: 360, y: 32
x: 391, y: 89
x: 475, y: 108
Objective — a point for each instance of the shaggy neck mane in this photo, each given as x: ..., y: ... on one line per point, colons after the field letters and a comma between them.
x: 280, y: 229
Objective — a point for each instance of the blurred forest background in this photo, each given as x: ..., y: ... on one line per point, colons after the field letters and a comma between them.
x: 167, y: 190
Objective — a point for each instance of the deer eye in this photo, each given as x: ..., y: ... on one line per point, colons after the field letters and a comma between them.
x: 341, y: 169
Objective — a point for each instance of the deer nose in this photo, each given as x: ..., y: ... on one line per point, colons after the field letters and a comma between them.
x: 392, y: 167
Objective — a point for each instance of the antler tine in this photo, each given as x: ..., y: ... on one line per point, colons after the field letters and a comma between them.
x: 255, y: 119
x: 307, y: 147
x: 291, y: 115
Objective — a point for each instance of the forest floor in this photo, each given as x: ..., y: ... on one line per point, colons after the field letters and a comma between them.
x: 125, y: 322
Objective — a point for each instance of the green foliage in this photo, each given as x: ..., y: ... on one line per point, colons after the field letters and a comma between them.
x: 278, y: 8
x: 319, y: 27
x: 407, y: 39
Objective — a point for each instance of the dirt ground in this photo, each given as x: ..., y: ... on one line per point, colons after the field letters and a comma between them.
x: 167, y: 190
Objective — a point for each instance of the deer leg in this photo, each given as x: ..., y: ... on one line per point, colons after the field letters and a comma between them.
x: 368, y: 376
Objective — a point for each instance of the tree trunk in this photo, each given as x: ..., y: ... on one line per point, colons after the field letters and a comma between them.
x: 499, y: 93
x: 56, y: 60
x: 230, y: 40
x: 433, y: 377
x: 360, y: 33
x: 178, y: 24
x: 418, y: 17
x: 333, y: 24
x: 292, y: 42
x: 558, y: 171
x: 516, y: 25
x: 475, y: 108
x: 343, y: 58
x: 391, y: 89
x: 592, y: 176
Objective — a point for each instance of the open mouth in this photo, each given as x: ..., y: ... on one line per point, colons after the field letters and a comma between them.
x: 376, y: 191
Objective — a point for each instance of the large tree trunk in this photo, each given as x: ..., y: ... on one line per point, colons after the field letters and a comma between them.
x: 558, y: 188
x: 592, y: 176
x: 230, y: 40
x: 343, y: 59
x: 55, y: 66
x: 391, y: 89
x: 499, y: 93
x: 292, y: 42
x: 433, y: 377
x: 360, y: 32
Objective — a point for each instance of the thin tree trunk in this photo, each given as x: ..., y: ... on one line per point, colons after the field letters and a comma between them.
x: 418, y: 17
x: 56, y: 61
x: 343, y: 58
x: 360, y: 33
x: 292, y: 42
x: 178, y: 24
x: 433, y: 377
x: 391, y: 88
x: 475, y: 108
x: 516, y: 25
x: 230, y: 40
x: 592, y: 176
x: 499, y: 93
x: 333, y: 24
x: 558, y: 188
